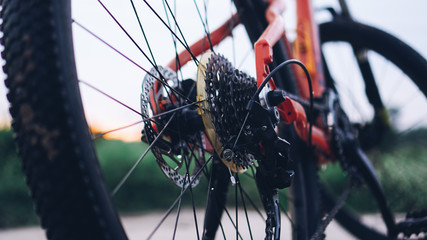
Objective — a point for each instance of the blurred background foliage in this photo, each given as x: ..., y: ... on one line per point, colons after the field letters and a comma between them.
x: 149, y: 190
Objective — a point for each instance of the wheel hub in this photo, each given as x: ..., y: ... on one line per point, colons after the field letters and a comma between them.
x: 178, y: 142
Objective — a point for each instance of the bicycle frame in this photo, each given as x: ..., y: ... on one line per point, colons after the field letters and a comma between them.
x: 266, y: 154
x: 306, y: 48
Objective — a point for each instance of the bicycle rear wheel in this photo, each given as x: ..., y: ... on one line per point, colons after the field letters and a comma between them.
x: 57, y: 146
x: 389, y: 115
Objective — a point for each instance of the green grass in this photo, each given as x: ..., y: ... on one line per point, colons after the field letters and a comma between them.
x: 16, y: 207
x: 148, y: 189
x: 401, y: 165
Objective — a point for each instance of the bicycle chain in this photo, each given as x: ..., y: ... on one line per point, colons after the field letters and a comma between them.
x: 338, y: 136
x: 319, y: 234
x: 342, y: 132
x: 419, y: 230
x: 228, y: 91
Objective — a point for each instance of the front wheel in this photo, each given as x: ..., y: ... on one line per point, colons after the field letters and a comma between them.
x: 382, y: 87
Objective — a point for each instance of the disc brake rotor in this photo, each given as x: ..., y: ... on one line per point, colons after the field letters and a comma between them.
x: 174, y: 155
x: 222, y: 92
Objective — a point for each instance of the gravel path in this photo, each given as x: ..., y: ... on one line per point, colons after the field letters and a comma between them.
x: 137, y: 226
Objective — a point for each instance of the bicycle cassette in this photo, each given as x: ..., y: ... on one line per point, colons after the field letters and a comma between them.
x: 223, y: 93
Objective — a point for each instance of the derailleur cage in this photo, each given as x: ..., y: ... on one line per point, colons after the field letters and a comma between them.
x: 274, y: 164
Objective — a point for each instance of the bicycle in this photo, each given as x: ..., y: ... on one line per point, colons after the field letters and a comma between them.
x: 277, y: 135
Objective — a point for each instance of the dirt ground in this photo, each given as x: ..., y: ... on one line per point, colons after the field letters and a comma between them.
x: 140, y: 226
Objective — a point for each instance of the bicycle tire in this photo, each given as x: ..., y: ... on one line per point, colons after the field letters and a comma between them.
x: 403, y: 57
x: 304, y: 192
x: 50, y: 129
x: 52, y: 134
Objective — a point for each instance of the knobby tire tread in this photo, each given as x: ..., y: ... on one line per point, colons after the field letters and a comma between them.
x: 52, y: 136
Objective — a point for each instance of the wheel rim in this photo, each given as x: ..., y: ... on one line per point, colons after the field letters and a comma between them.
x: 193, y: 162
x: 405, y: 126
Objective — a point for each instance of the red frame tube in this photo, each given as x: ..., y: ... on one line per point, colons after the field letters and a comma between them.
x: 290, y: 110
x: 306, y: 49
x: 202, y: 45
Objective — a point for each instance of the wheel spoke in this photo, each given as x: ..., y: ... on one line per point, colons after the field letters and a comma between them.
x: 248, y: 197
x: 130, y: 60
x: 113, y: 48
x: 194, y: 213
x: 285, y: 210
x: 418, y: 124
x: 143, y: 32
x: 232, y: 222
x: 246, y: 56
x: 100, y: 135
x: 162, y: 78
x: 252, y: 203
x: 184, y: 44
x: 177, y: 60
x: 233, y: 42
x: 188, y: 174
x: 168, y: 212
x: 109, y: 96
x: 178, y: 212
x: 126, y: 32
x: 244, y: 207
x: 236, y: 200
x: 204, y: 23
x: 97, y: 136
x: 124, y: 179
x: 195, y: 157
x: 175, y: 109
